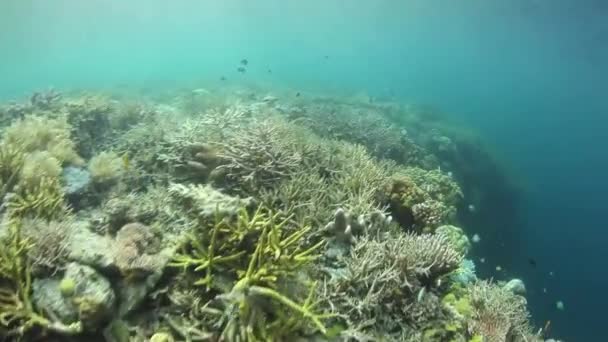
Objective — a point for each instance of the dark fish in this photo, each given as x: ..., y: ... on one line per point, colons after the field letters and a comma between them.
x: 222, y: 78
x: 326, y: 57
x: 244, y: 61
x: 532, y: 262
x: 298, y: 94
x: 269, y: 71
x: 241, y: 70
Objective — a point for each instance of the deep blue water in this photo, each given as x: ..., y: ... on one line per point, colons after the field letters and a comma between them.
x: 529, y: 75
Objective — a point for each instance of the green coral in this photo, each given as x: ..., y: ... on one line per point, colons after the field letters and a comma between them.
x: 259, y: 276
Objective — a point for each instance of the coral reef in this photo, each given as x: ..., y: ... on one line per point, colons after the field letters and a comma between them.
x: 240, y: 215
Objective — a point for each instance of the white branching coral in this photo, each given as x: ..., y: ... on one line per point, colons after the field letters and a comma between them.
x: 50, y: 243
x: 383, y: 278
x: 257, y: 157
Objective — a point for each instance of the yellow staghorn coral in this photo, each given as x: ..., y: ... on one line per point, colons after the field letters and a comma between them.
x: 43, y: 200
x: 259, y: 275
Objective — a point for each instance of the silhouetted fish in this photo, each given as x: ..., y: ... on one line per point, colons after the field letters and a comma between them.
x: 244, y: 61
x: 241, y: 70
x: 326, y: 57
x: 298, y: 94
x: 222, y: 78
x: 269, y: 71
x: 532, y: 262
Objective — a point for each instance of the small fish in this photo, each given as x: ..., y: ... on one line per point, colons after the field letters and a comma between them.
x: 551, y: 274
x: 472, y: 208
x: 421, y: 294
x: 544, y: 290
x: 298, y: 94
x: 498, y: 268
x: 244, y: 61
x: 476, y: 238
x: 560, y: 305
x: 241, y: 70
x: 532, y: 262
x: 326, y: 57
x: 546, y: 329
x: 269, y: 71
x: 222, y: 78
x: 482, y: 260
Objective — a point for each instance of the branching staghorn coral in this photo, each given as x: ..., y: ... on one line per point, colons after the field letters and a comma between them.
x: 18, y: 317
x: 352, y: 123
x: 256, y: 157
x: 498, y: 314
x: 259, y: 275
x: 384, y: 278
x: 50, y: 241
x: 306, y: 195
x: 43, y: 200
x: 358, y: 180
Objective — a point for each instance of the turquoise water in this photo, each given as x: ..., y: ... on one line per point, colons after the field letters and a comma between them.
x: 529, y: 76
